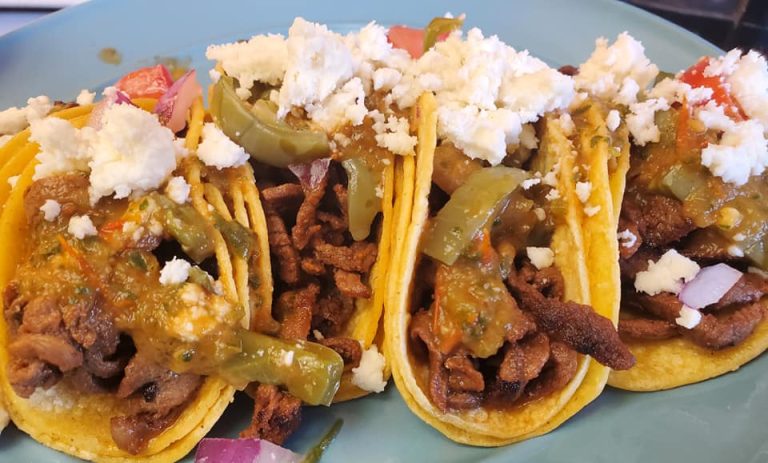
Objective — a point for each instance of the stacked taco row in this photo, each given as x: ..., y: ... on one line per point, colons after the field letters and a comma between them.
x: 501, y: 237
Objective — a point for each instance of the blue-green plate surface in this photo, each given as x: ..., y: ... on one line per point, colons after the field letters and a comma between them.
x: 723, y: 420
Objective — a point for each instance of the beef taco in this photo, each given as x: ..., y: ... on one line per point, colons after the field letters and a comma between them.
x: 134, y: 264
x: 315, y: 111
x: 692, y: 223
x: 489, y: 325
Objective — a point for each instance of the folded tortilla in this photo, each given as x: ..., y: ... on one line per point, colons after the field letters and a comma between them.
x: 488, y: 426
x: 78, y: 424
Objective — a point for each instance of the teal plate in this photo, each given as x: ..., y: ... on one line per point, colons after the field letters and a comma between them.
x: 723, y: 420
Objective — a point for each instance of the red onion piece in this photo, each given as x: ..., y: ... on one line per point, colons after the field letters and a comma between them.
x: 116, y: 97
x: 243, y: 451
x: 709, y: 286
x: 311, y: 174
x: 173, y: 106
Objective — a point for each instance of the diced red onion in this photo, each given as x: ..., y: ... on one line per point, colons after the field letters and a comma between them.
x: 173, y: 106
x: 311, y: 174
x: 116, y: 97
x: 243, y: 451
x: 709, y: 286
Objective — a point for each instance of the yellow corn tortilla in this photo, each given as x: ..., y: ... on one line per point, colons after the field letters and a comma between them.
x: 78, y: 424
x: 487, y: 426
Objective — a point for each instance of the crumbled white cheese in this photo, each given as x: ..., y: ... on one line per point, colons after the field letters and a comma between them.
x: 394, y: 135
x: 541, y: 214
x: 85, y: 97
x: 613, y: 120
x: 529, y: 182
x: 318, y: 335
x: 583, y: 191
x: 12, y: 181
x: 741, y: 153
x: 218, y: 151
x: 51, y: 209
x: 713, y: 116
x: 178, y: 190
x: 347, y: 105
x: 214, y: 75
x: 81, y: 226
x: 616, y: 72
x: 688, y: 318
x: 131, y: 152
x: 566, y: 123
x: 627, y: 238
x: 589, y: 211
x: 63, y: 148
x: 15, y: 119
x: 552, y: 195
x: 667, y: 274
x: 540, y: 257
x: 749, y: 85
x: 369, y: 375
x: 386, y: 78
x: 263, y: 58
x: 674, y: 90
x: 641, y: 122
x: 175, y: 271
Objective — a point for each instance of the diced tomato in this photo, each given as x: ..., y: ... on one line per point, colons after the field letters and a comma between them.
x: 149, y: 82
x: 407, y: 38
x: 694, y: 76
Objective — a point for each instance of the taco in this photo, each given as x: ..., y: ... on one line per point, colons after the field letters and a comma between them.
x: 323, y: 134
x: 489, y: 327
x: 692, y: 223
x: 133, y: 266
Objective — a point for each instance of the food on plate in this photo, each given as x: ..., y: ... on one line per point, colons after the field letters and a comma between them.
x: 692, y: 223
x: 134, y: 270
x: 315, y: 111
x: 493, y: 328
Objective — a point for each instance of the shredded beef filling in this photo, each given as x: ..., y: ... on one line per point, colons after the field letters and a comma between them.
x: 321, y: 270
x: 660, y: 224
x: 540, y: 352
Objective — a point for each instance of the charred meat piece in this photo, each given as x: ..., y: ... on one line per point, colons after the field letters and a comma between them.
x: 280, y: 244
x: 276, y: 415
x: 70, y: 191
x: 294, y: 311
x: 359, y: 257
x: 660, y: 220
x: 349, y: 349
x: 726, y: 330
x: 576, y: 325
x: 351, y: 284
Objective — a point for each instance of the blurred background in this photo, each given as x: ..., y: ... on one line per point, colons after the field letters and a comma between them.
x: 726, y: 23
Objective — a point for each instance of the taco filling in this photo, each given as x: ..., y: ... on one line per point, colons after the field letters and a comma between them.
x: 139, y: 271
x: 693, y: 220
x: 491, y: 325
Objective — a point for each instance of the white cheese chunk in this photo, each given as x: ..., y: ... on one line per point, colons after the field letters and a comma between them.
x: 174, y: 272
x: 627, y: 238
x: 218, y: 151
x: 616, y: 72
x: 369, y: 375
x: 51, y: 209
x: 85, y: 97
x: 263, y: 58
x: 741, y: 153
x: 749, y: 85
x: 613, y: 120
x: 583, y: 191
x: 81, y: 226
x: 540, y: 257
x: 667, y: 274
x: 591, y: 210
x: 394, y: 134
x: 13, y: 120
x: 641, y: 122
x: 12, y: 181
x: 63, y: 148
x: 688, y: 318
x: 178, y: 190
